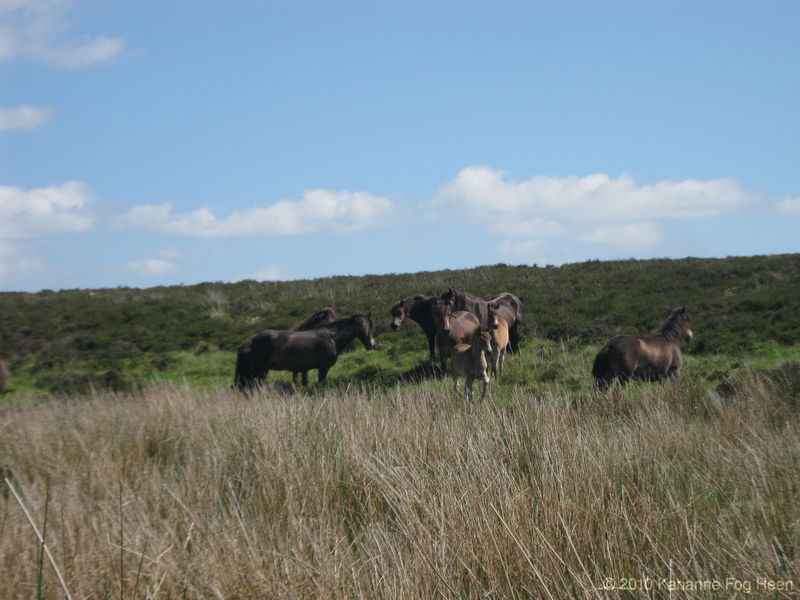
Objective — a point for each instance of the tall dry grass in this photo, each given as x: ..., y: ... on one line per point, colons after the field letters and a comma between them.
x: 180, y: 493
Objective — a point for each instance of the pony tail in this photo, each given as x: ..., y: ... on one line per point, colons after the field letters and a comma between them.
x: 601, y: 370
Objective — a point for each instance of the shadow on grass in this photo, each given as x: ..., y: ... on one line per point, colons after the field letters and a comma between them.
x: 422, y: 372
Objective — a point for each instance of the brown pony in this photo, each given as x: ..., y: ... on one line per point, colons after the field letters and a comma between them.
x: 321, y: 317
x: 655, y: 357
x: 432, y: 314
x: 470, y: 360
x: 462, y: 325
x: 500, y: 340
x: 284, y: 350
x: 509, y: 308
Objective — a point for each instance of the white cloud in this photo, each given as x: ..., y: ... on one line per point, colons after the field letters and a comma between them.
x: 481, y: 191
x: 42, y: 211
x: 320, y: 211
x: 612, y: 214
x: 155, y: 267
x: 24, y: 116
x: 268, y: 273
x: 35, y: 30
x: 790, y: 207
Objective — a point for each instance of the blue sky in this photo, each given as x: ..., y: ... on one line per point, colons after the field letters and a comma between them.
x: 146, y: 143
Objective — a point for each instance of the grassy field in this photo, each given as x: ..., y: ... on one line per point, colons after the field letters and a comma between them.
x: 180, y: 491
x: 151, y: 478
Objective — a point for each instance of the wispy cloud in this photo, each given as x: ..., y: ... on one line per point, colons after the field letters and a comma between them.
x: 268, y: 273
x: 153, y: 267
x: 629, y: 236
x: 17, y: 263
x: 24, y: 116
x: 44, y: 211
x: 319, y: 211
x: 37, y: 30
x: 790, y: 207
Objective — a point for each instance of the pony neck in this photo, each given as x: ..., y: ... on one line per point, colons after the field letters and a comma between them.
x: 417, y: 310
x: 671, y: 333
x: 344, y: 332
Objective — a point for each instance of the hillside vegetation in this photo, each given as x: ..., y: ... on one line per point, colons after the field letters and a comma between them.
x: 74, y: 340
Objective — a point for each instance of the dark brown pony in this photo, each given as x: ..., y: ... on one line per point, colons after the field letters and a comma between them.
x: 431, y: 314
x: 655, y: 357
x: 509, y: 308
x: 321, y: 317
x: 461, y: 300
x: 284, y: 350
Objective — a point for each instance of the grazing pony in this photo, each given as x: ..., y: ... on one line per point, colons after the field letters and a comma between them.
x: 432, y: 314
x: 500, y: 340
x: 469, y: 360
x: 461, y: 300
x: 282, y: 350
x: 655, y: 357
x: 509, y: 309
x: 321, y: 317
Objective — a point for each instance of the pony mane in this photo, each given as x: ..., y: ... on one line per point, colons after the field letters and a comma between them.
x: 672, y: 326
x: 326, y: 315
x: 456, y: 295
x: 342, y: 320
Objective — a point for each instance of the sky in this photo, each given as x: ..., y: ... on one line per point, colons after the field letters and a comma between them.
x: 166, y: 143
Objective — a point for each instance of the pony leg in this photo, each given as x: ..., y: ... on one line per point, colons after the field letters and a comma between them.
x: 432, y: 349
x: 513, y: 337
x: 256, y: 381
x: 603, y: 383
x: 672, y: 376
x: 322, y: 373
x: 468, y: 387
x: 305, y: 377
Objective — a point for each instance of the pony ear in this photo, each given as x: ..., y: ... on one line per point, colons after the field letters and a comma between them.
x: 681, y: 309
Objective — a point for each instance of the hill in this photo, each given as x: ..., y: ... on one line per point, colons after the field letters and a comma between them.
x: 71, y: 340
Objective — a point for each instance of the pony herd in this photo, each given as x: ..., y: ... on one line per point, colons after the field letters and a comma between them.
x: 470, y: 333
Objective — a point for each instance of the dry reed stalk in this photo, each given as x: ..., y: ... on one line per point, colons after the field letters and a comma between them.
x: 39, y: 537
